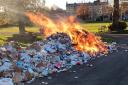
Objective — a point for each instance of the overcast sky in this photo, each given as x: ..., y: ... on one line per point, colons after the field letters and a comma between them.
x: 62, y: 3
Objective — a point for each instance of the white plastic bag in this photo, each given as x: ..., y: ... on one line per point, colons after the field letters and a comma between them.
x: 6, y: 81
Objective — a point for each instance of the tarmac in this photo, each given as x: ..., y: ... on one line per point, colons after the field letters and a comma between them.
x: 106, y: 70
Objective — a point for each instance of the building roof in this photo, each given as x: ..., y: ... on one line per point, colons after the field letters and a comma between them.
x: 89, y: 4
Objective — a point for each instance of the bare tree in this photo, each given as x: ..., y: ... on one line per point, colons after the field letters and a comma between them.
x: 27, y: 5
x: 16, y: 9
x: 83, y: 11
x: 116, y: 14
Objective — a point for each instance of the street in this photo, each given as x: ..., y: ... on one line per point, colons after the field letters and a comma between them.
x: 106, y: 70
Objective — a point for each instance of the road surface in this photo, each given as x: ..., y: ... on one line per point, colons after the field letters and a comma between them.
x: 106, y: 70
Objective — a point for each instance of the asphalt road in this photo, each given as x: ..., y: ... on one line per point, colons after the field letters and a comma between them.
x: 106, y: 70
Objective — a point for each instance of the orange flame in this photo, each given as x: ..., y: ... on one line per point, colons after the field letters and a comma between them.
x: 83, y: 40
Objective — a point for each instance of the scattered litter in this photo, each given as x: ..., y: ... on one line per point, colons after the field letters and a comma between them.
x: 76, y: 77
x: 49, y: 77
x: 43, y: 82
x: 5, y: 65
x: 6, y: 81
x: 54, y: 54
x: 31, y: 80
x: 21, y: 83
x: 112, y: 47
x: 74, y: 71
x: 91, y: 65
x: 46, y: 83
x: 126, y: 50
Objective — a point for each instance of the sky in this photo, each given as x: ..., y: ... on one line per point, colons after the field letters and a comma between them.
x: 62, y: 3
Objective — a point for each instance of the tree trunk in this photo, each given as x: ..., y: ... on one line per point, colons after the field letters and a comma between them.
x: 116, y: 14
x: 21, y: 26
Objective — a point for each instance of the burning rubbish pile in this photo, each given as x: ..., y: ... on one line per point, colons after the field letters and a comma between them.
x: 59, y: 51
x: 82, y: 39
x: 55, y: 54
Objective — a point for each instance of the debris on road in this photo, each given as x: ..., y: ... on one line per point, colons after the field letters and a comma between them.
x: 76, y: 77
x: 55, y: 54
x: 45, y: 83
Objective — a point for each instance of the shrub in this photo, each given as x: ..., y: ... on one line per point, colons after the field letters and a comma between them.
x: 120, y: 26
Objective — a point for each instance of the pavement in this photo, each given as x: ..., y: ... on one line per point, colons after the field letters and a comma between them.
x: 106, y: 70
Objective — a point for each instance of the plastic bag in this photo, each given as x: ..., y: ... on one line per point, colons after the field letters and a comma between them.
x: 6, y: 81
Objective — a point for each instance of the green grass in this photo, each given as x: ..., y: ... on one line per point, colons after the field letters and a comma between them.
x: 6, y: 32
x: 93, y: 27
x: 9, y: 31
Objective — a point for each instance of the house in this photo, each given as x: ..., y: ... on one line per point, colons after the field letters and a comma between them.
x: 124, y: 9
x: 98, y: 10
